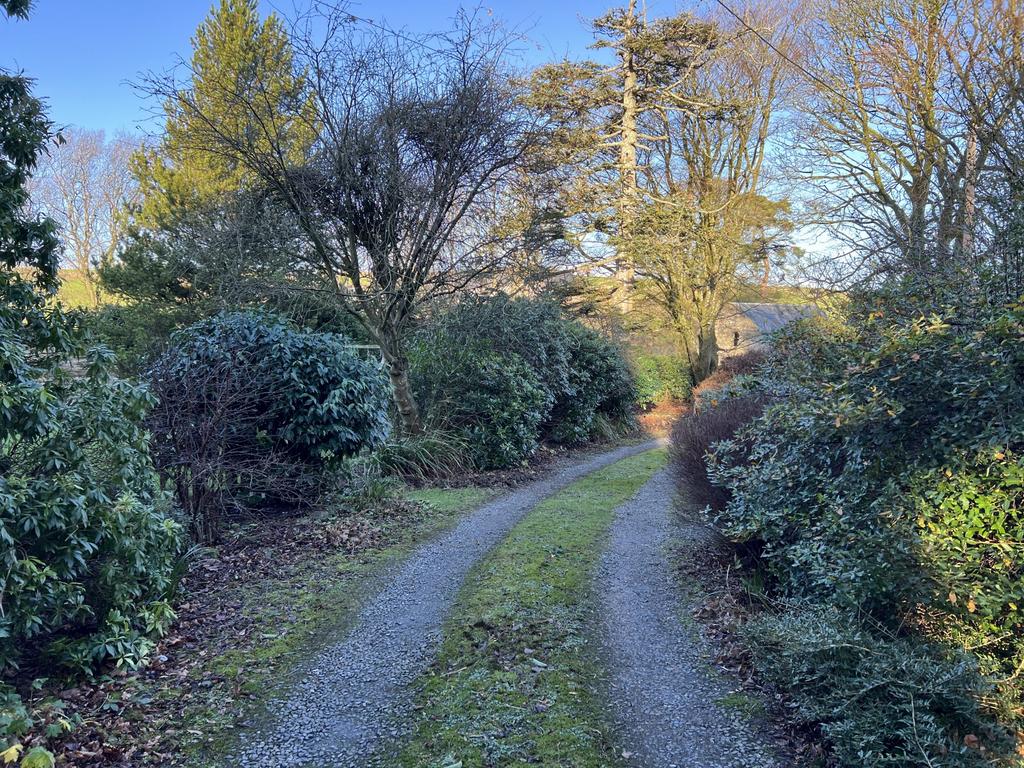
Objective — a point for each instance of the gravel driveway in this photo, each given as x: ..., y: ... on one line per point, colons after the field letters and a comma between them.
x: 661, y: 689
x: 353, y: 694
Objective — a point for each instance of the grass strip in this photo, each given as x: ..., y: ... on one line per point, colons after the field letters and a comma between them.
x: 512, y: 685
x: 452, y: 500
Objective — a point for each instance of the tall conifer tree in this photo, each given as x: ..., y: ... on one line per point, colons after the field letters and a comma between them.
x: 601, y: 115
x: 243, y: 75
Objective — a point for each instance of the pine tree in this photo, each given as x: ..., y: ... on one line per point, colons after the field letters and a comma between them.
x: 202, y: 235
x: 599, y: 114
x: 243, y: 78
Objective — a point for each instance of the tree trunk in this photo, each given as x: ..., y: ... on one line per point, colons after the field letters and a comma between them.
x: 706, y: 361
x: 628, y: 143
x: 970, y: 196
x: 408, y: 411
x: 929, y: 155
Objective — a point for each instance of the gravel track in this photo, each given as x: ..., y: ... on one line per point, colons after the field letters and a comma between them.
x: 351, y: 696
x: 661, y: 689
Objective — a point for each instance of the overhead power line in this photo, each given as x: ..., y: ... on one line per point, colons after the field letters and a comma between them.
x: 781, y: 54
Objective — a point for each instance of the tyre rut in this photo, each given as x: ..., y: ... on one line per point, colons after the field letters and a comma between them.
x: 663, y: 696
x: 351, y: 696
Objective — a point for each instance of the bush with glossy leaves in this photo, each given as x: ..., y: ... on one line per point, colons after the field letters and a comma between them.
x: 578, y: 372
x: 660, y: 378
x: 253, y: 410
x: 495, y: 403
x: 887, y: 482
x: 600, y: 382
x: 84, y: 545
x: 88, y: 545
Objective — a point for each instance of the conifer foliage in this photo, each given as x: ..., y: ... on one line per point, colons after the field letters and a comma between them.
x: 243, y: 81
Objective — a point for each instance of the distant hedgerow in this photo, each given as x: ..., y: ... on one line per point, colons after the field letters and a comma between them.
x: 660, y: 378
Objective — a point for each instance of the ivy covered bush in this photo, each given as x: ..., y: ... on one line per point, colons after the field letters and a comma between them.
x: 254, y: 411
x: 660, y: 378
x: 884, y: 492
x: 506, y: 373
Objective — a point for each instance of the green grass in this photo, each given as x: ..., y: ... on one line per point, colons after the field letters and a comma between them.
x: 298, y: 614
x: 743, y: 703
x: 74, y: 290
x: 451, y: 499
x: 513, y: 682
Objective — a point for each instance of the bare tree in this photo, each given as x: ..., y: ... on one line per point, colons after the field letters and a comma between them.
x: 907, y: 106
x: 1001, y: 198
x: 84, y: 183
x: 417, y: 135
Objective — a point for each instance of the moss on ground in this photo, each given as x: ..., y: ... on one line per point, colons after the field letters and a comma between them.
x: 743, y: 703
x: 446, y: 500
x: 295, y: 614
x: 512, y: 685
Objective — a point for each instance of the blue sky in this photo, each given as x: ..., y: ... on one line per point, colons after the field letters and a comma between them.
x: 83, y: 54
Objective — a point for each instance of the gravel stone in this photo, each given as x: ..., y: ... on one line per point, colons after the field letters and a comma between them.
x: 661, y: 688
x: 351, y: 697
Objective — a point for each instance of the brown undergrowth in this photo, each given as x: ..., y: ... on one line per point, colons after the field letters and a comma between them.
x: 709, y: 421
x: 659, y: 420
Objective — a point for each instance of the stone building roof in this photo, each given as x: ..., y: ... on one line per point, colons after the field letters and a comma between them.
x: 743, y: 326
x: 769, y: 318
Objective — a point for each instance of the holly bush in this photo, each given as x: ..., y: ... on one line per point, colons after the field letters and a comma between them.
x: 886, y: 483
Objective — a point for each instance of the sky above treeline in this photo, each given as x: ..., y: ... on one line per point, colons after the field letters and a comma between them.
x: 84, y: 55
